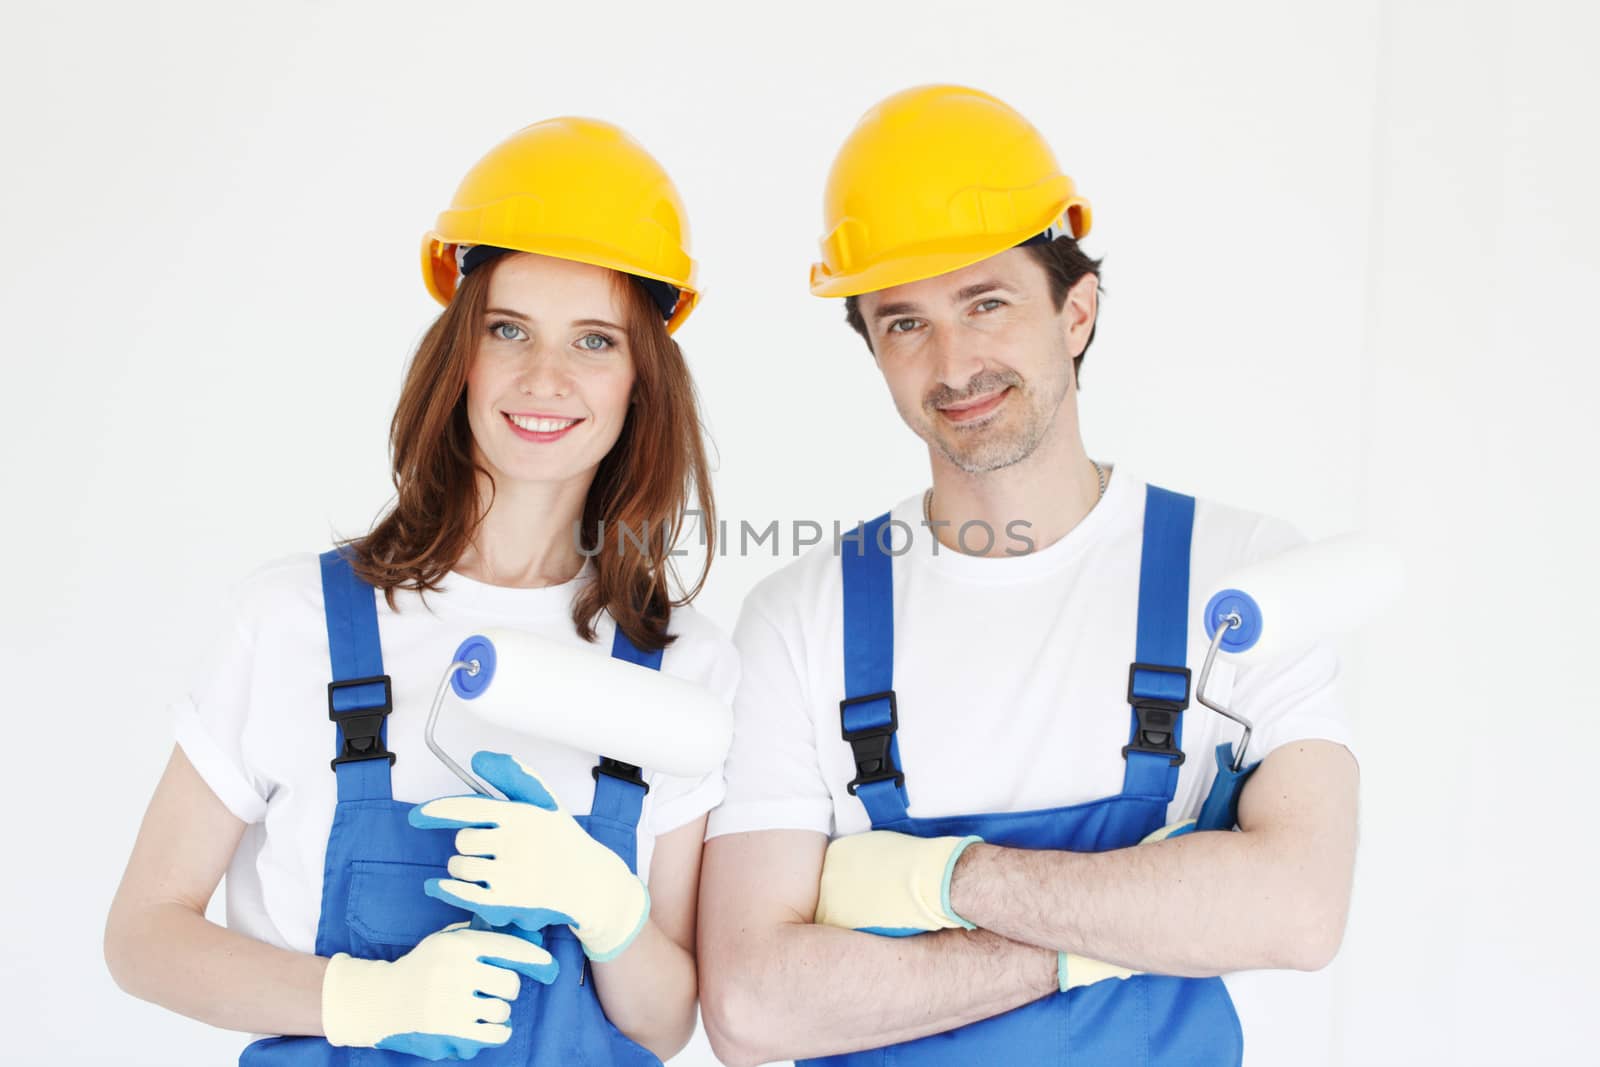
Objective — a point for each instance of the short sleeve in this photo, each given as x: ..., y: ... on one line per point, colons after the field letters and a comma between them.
x: 675, y: 802
x: 1295, y: 696
x: 774, y: 778
x: 682, y: 800
x: 210, y: 721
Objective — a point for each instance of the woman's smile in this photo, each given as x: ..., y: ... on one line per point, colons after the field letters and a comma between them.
x: 539, y: 428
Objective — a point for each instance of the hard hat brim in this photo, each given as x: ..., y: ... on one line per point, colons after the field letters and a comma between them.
x: 899, y: 271
x: 941, y: 256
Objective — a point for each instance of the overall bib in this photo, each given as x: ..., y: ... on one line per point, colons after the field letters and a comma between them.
x: 1147, y: 1019
x: 373, y: 906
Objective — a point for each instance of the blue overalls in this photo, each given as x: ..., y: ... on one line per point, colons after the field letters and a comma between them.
x: 1146, y: 1019
x: 373, y: 905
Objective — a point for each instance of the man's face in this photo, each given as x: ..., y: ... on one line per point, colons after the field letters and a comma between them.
x: 979, y: 360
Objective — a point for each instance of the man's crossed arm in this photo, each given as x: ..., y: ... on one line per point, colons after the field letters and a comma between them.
x: 774, y: 985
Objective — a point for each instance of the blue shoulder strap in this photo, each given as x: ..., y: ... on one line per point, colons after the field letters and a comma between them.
x: 868, y: 717
x: 359, y: 685
x: 619, y: 788
x: 1158, y: 680
x: 359, y: 697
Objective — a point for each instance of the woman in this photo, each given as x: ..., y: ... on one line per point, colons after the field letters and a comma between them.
x: 546, y: 408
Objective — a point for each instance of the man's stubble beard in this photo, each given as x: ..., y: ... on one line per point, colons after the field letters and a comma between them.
x: 994, y: 447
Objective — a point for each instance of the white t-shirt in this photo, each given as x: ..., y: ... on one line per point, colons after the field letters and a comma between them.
x: 256, y: 725
x: 1011, y: 678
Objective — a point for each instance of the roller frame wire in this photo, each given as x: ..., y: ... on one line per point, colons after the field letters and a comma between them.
x: 1226, y: 623
x: 471, y: 667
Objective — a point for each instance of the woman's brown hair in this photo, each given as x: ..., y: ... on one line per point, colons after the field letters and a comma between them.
x: 636, y: 505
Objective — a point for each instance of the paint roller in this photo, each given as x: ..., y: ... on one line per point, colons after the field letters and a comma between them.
x: 569, y: 695
x: 539, y: 688
x: 1284, y: 603
x: 1280, y: 605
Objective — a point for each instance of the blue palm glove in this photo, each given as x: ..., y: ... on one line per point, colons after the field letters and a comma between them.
x: 526, y: 862
x: 448, y: 998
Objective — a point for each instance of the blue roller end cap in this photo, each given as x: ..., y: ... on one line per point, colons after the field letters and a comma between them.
x: 480, y: 648
x: 1234, y: 602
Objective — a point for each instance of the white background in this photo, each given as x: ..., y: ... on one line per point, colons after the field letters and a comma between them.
x: 1350, y: 273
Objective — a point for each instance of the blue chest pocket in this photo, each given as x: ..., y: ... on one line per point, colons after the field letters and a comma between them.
x: 388, y: 913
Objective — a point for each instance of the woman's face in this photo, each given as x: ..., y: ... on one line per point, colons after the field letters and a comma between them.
x: 549, y: 386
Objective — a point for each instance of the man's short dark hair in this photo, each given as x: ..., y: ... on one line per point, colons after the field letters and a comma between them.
x: 1063, y: 262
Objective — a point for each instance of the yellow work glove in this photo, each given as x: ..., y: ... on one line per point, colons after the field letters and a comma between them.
x: 1073, y: 970
x: 526, y: 862
x: 445, y: 999
x: 890, y: 883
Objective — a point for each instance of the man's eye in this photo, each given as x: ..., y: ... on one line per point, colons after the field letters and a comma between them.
x: 895, y: 326
x: 507, y: 331
x: 991, y: 303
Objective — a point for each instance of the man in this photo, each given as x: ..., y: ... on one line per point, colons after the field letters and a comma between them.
x: 979, y: 697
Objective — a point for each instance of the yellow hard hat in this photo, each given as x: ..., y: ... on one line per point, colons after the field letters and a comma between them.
x: 573, y: 188
x: 933, y: 179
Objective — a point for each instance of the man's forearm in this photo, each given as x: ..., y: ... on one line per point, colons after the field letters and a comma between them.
x: 803, y: 990
x: 1274, y: 895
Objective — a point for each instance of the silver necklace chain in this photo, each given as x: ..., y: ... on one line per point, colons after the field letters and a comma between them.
x: 927, y: 498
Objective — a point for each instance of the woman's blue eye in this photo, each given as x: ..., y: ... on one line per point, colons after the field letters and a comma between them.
x: 604, y: 342
x: 507, y: 331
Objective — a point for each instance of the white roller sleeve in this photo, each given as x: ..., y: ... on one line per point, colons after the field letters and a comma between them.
x: 1317, y: 590
x: 593, y: 702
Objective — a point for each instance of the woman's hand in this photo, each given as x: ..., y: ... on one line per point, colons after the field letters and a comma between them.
x: 540, y: 866
x: 445, y: 999
x: 525, y: 862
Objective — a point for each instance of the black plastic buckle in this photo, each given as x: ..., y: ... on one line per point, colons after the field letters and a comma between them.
x: 1156, y: 720
x: 362, y: 728
x: 870, y: 745
x: 623, y: 772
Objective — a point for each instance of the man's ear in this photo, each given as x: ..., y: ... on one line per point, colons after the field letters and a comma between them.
x: 1079, y: 310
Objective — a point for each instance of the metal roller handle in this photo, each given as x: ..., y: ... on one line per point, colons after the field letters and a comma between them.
x: 471, y: 667
x: 1229, y: 621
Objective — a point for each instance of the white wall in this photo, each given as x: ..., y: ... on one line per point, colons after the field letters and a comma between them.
x: 1472, y: 934
x: 1349, y: 248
